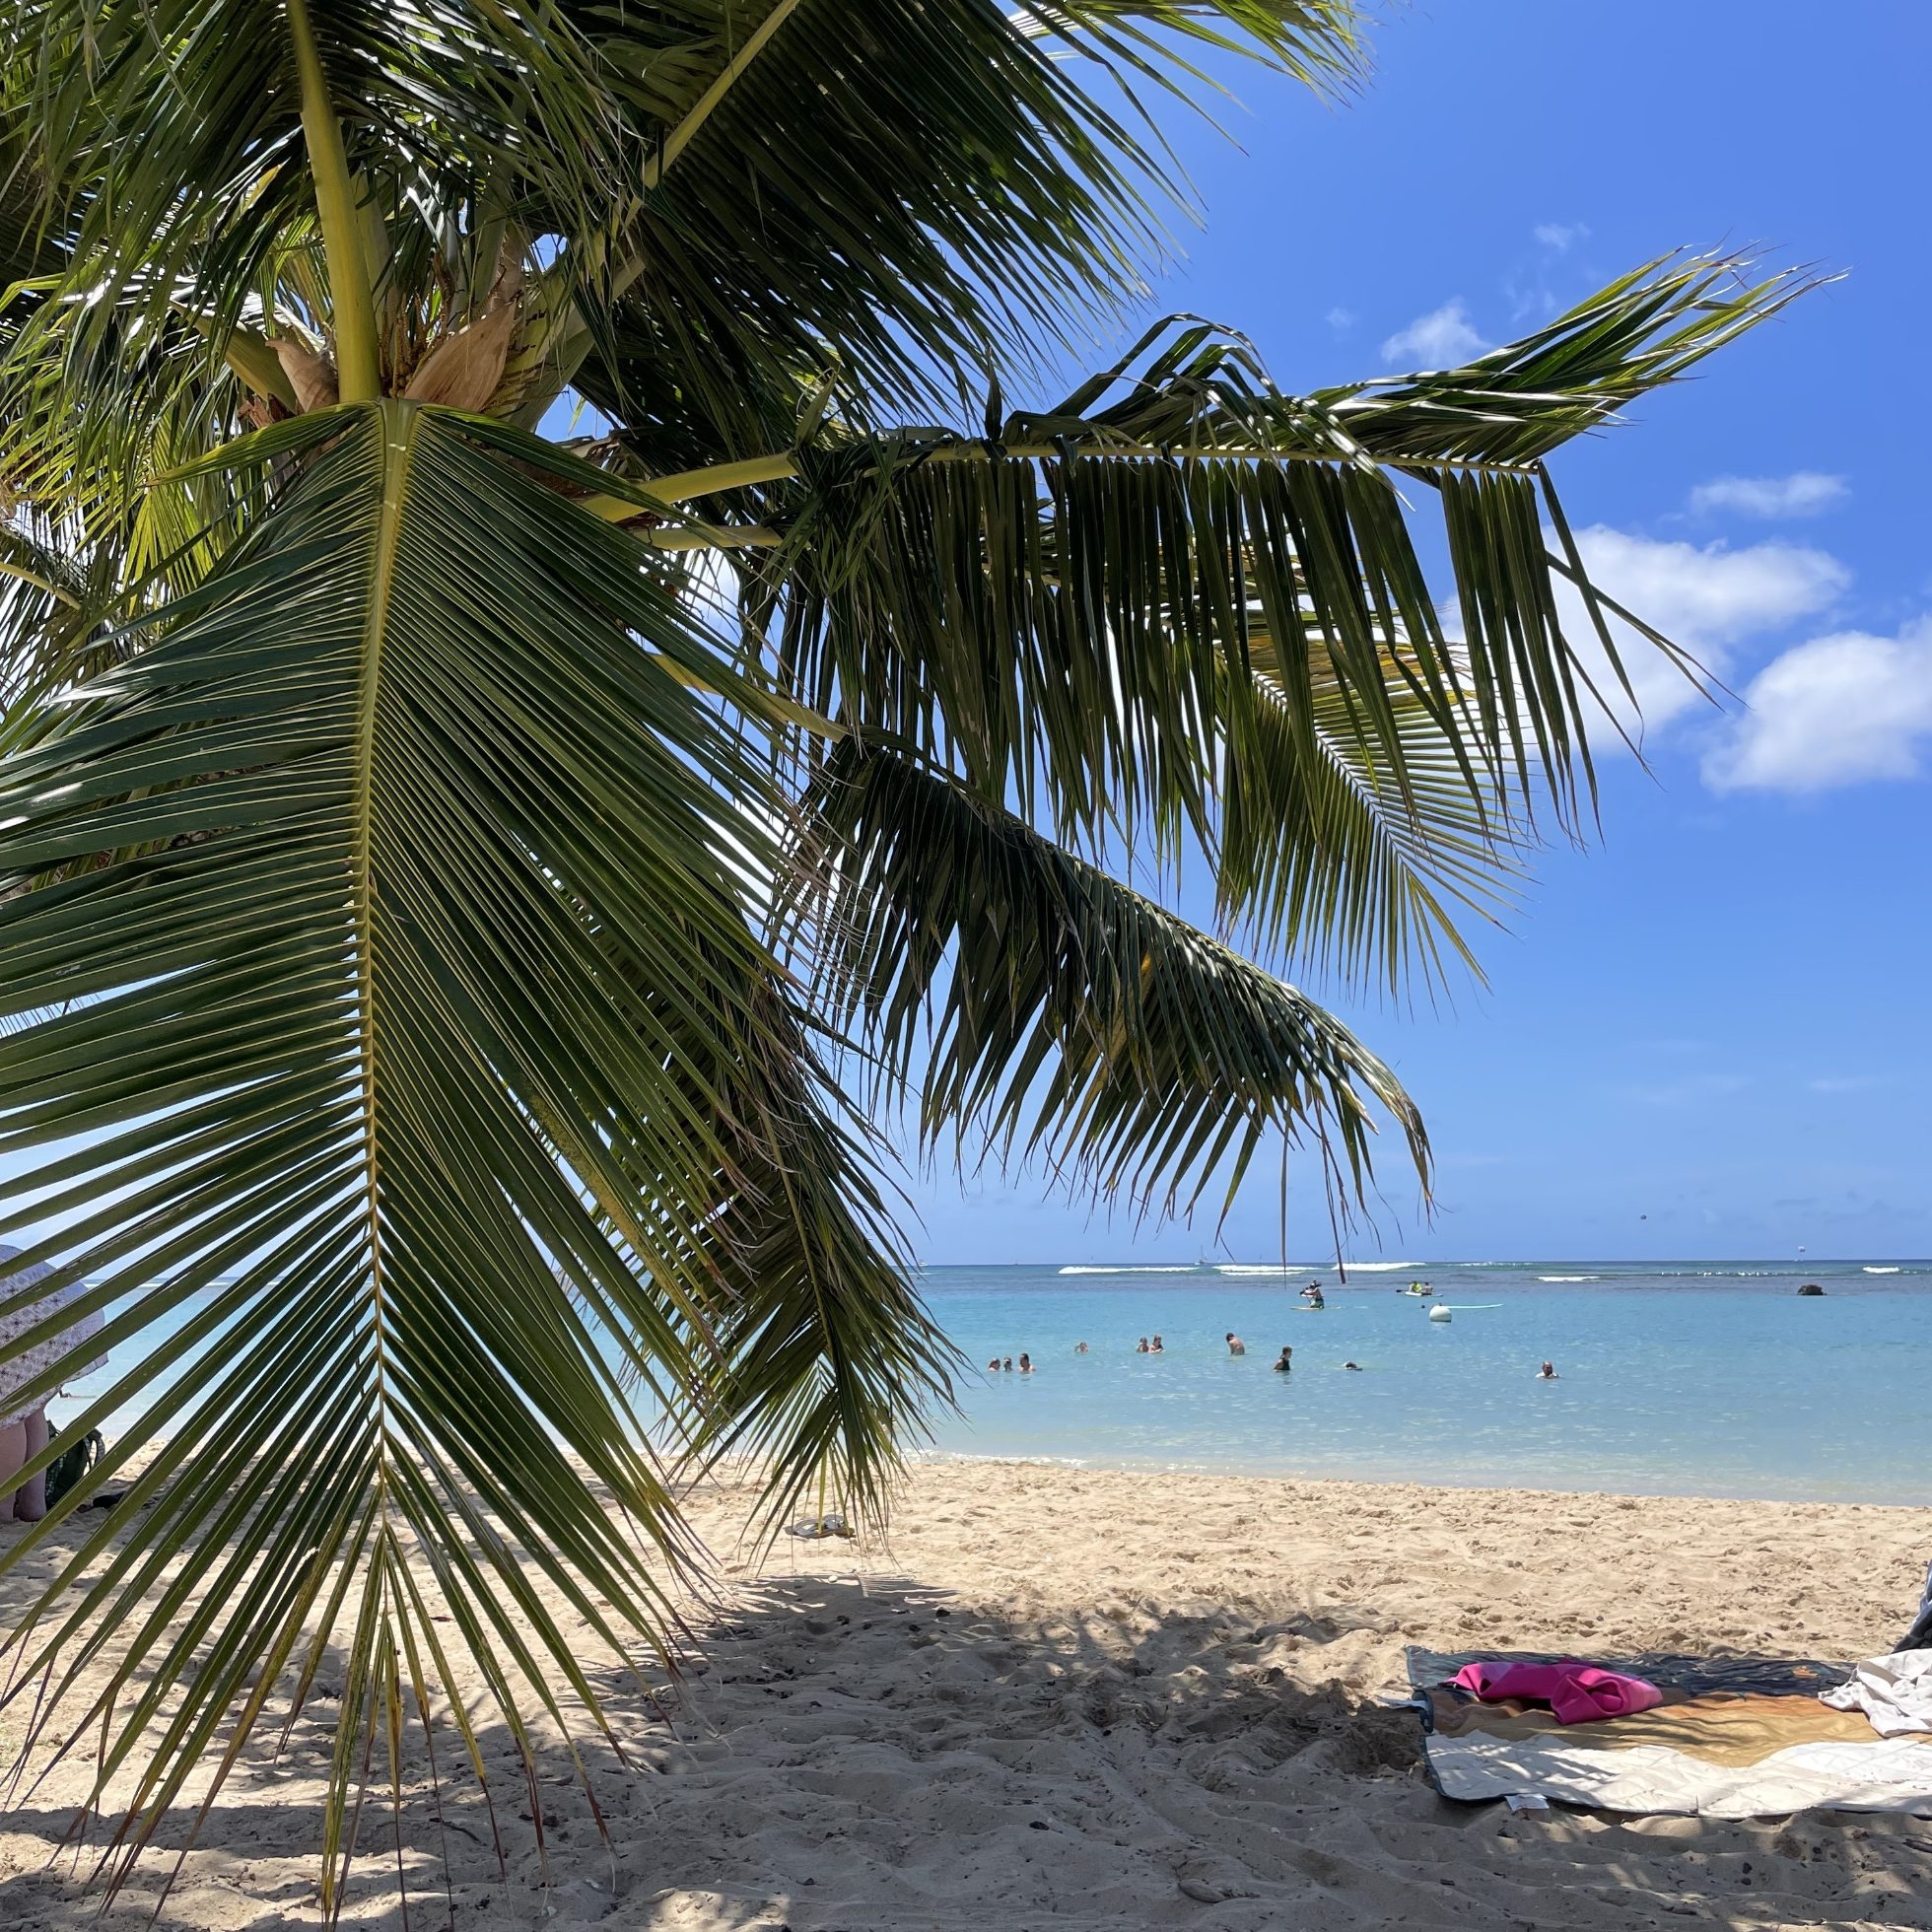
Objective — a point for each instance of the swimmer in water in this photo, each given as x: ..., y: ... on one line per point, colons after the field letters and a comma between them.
x: 1080, y: 1347
x: 1357, y: 1366
x: 1284, y: 1365
x: 1007, y: 1364
x: 1547, y: 1374
x: 1156, y: 1350
x: 994, y: 1365
x: 1025, y: 1363
x: 1235, y: 1345
x: 1141, y: 1348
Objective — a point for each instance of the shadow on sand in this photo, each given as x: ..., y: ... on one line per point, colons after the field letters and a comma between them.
x: 871, y: 1757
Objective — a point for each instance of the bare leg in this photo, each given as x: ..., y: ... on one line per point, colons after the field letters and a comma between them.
x: 30, y: 1498
x: 13, y: 1452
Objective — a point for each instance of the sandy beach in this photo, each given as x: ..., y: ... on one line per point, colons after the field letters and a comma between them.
x: 1057, y: 1698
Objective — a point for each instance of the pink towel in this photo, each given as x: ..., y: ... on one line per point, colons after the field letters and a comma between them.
x: 1575, y: 1693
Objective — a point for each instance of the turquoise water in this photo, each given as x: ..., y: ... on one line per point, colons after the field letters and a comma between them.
x: 1693, y: 1378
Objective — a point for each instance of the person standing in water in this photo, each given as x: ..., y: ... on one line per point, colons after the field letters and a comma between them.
x: 1284, y: 1365
x: 24, y: 1424
x: 1235, y: 1345
x: 1141, y: 1348
x: 1157, y: 1349
x: 1025, y: 1363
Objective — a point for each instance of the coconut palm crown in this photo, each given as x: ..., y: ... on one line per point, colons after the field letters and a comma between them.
x: 466, y: 891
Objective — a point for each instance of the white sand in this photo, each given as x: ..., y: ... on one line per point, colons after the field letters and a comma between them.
x: 1063, y: 1699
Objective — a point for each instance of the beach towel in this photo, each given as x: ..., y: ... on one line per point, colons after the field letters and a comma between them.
x: 1576, y: 1693
x: 1728, y: 1738
x: 1894, y: 1693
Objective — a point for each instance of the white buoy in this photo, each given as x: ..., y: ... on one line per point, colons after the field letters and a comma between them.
x: 1440, y: 1315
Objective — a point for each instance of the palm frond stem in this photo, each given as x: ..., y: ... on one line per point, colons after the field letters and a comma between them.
x: 574, y: 335
x: 727, y: 537
x: 352, y: 293
x: 679, y: 138
x: 20, y: 575
x: 748, y: 471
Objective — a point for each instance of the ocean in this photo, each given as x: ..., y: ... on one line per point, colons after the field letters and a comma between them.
x: 1672, y: 1379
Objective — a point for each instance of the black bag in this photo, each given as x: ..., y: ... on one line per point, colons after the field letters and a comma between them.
x: 69, y: 1470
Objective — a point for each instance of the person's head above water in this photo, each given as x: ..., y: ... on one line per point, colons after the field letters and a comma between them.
x: 1547, y: 1374
x: 1140, y: 1347
x: 1025, y: 1363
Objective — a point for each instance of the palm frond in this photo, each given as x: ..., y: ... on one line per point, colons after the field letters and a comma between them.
x: 1355, y: 865
x: 342, y: 1019
x: 824, y: 1360
x: 1068, y: 609
x: 920, y: 191
x: 1038, y: 1004
x: 1518, y: 403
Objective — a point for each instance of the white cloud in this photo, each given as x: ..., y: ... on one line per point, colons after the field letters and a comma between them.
x: 1440, y: 339
x: 1706, y: 597
x: 1804, y: 493
x: 1560, y: 235
x: 1340, y: 320
x: 1846, y: 1083
x: 1834, y: 711
x: 1688, y: 1092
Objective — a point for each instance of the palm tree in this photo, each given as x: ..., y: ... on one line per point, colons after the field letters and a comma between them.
x: 468, y: 889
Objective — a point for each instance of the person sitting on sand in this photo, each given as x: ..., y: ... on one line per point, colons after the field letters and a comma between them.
x: 1025, y: 1363
x: 1141, y: 1348
x: 1547, y: 1374
x: 1284, y: 1365
x: 1156, y: 1350
x: 1235, y: 1345
x: 24, y: 1425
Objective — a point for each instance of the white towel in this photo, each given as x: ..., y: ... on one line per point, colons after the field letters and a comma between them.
x: 1894, y: 1693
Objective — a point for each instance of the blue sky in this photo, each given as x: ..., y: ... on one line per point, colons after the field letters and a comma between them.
x: 1709, y: 1034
